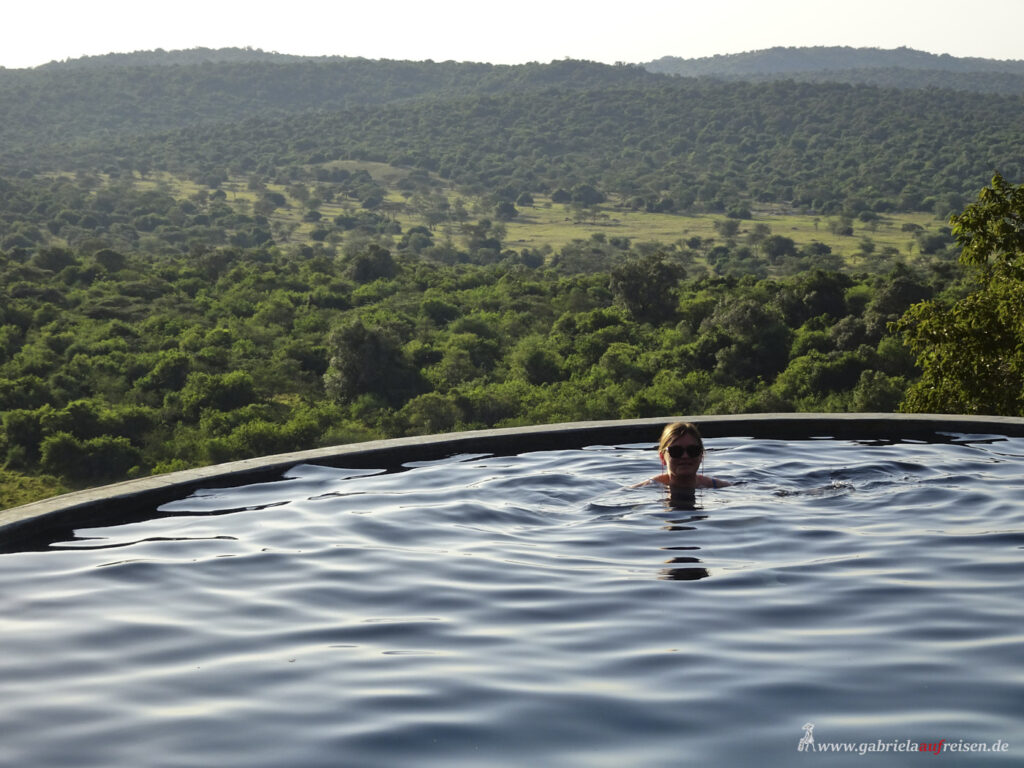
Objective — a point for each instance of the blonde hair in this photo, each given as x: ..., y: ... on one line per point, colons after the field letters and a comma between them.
x: 676, y: 430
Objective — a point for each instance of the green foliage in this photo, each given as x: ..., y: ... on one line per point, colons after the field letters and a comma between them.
x: 754, y: 341
x: 876, y: 392
x: 373, y: 264
x: 991, y: 231
x: 367, y: 360
x: 16, y: 488
x: 506, y: 211
x: 97, y: 459
x: 646, y: 287
x: 220, y: 392
x: 971, y: 350
x: 429, y: 413
x: 534, y: 361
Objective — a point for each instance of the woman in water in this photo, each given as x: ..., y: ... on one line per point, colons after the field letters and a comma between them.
x: 681, y: 451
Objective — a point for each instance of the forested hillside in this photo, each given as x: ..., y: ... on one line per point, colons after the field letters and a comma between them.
x: 202, y: 261
x: 160, y: 57
x: 47, y: 110
x: 699, y: 144
x: 899, y: 68
x: 780, y: 60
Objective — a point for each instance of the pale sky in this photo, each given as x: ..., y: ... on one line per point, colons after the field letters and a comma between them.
x: 510, y: 32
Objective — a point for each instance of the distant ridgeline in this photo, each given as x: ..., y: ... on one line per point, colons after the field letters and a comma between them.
x: 700, y: 143
x: 900, y: 68
x: 160, y: 57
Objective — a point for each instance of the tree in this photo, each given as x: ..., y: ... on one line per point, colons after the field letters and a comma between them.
x: 647, y: 287
x: 727, y: 227
x: 972, y: 352
x: 367, y: 361
x: 505, y: 211
x: 756, y: 338
x: 877, y: 392
x: 372, y: 264
x: 110, y: 260
x: 757, y: 234
x: 222, y: 392
x: 100, y: 458
x: 933, y: 242
x: 430, y: 413
x: 274, y: 199
x: 587, y: 195
x: 168, y: 373
x: 54, y: 259
x: 777, y: 247
x: 535, y: 362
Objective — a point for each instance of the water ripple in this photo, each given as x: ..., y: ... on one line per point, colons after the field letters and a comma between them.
x: 534, y: 609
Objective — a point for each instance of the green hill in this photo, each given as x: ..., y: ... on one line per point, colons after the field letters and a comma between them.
x: 898, y: 68
x: 672, y: 144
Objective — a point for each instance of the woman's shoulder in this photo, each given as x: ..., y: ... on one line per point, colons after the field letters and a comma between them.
x: 660, y: 479
x: 701, y: 481
x: 704, y: 481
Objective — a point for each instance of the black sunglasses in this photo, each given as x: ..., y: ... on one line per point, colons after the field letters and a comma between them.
x: 677, y: 451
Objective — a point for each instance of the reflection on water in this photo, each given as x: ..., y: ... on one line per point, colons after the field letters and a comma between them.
x: 683, y: 499
x: 689, y: 573
x: 509, y: 611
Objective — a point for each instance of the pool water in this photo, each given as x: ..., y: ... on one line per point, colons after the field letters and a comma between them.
x: 536, y: 610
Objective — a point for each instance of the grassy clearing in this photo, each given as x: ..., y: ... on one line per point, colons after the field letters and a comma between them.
x: 553, y: 225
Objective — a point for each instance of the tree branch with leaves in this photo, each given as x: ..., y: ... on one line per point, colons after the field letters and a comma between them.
x: 972, y: 352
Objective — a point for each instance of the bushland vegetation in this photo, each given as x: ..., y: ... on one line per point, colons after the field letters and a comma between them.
x: 142, y: 331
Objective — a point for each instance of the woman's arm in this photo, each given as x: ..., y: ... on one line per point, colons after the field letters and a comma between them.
x: 663, y: 479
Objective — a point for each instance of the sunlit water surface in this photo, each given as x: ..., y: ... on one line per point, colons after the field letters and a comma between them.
x: 535, y: 610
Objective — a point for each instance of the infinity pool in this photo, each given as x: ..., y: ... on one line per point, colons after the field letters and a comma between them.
x: 536, y: 610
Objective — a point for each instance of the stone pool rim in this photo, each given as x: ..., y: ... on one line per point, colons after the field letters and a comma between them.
x: 56, y: 517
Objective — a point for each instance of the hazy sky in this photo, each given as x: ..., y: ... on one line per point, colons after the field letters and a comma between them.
x: 507, y: 32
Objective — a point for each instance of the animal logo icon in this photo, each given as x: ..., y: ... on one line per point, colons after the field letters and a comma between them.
x: 807, y: 740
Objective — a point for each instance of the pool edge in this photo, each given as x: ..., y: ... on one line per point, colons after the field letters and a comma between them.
x: 122, y: 501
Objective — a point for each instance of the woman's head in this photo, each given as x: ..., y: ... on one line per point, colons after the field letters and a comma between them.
x: 673, y: 432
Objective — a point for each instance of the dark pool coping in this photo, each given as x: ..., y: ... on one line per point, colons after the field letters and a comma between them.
x: 52, y: 518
